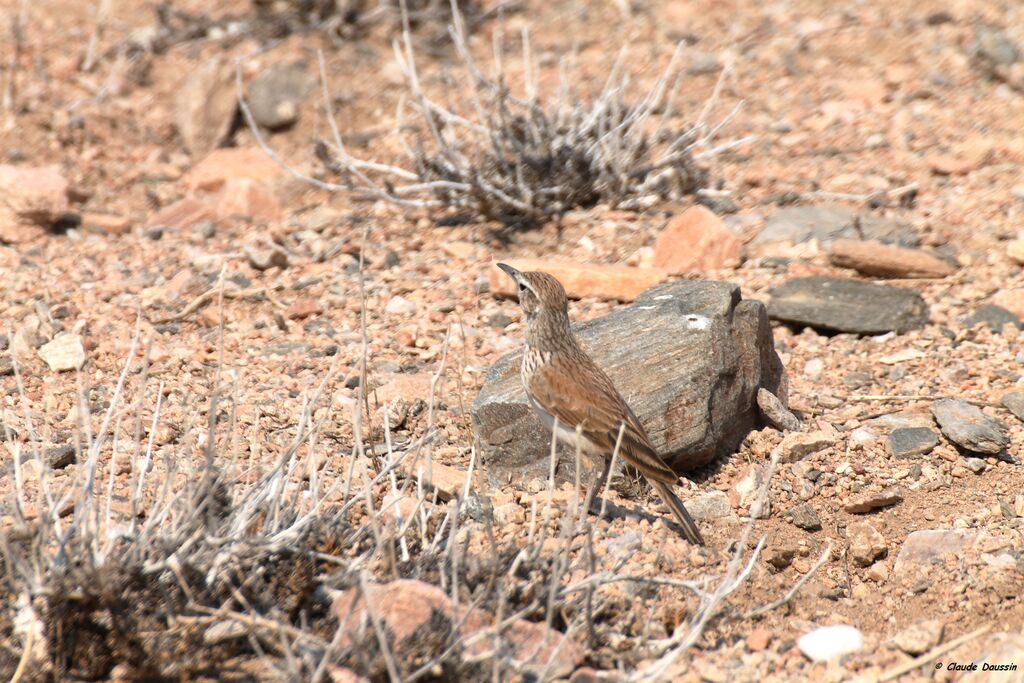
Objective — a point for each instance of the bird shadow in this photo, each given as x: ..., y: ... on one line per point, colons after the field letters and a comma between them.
x: 615, y: 511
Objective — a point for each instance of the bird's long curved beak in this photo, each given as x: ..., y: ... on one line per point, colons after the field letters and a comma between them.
x: 509, y: 270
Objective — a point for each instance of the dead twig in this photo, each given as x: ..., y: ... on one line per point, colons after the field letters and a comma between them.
x: 207, y: 296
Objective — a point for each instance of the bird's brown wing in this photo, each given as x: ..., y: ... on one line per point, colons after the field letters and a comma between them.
x: 579, y: 393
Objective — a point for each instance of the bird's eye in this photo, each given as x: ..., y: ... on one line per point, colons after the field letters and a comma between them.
x: 522, y: 287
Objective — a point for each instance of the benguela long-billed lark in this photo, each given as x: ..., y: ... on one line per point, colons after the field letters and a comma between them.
x: 577, y: 400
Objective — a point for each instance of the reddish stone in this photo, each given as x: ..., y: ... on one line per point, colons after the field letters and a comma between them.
x: 303, y: 308
x: 182, y: 214
x: 107, y: 223
x: 1012, y: 300
x: 697, y: 239
x: 538, y: 649
x: 36, y: 195
x: 583, y: 280
x: 250, y: 199
x: 221, y: 165
x: 403, y: 607
x: 883, y: 260
x: 759, y: 639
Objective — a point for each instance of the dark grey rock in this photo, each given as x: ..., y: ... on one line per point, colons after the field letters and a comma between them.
x: 827, y: 222
x: 276, y: 94
x: 60, y: 457
x: 993, y: 316
x: 6, y: 365
x: 938, y: 17
x: 968, y: 427
x: 906, y: 442
x: 804, y: 516
x: 687, y: 356
x: 845, y: 305
x: 1014, y: 402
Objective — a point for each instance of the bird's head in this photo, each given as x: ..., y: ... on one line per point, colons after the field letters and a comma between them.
x: 539, y: 293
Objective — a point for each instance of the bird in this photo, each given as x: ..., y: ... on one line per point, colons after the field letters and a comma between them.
x: 574, y: 397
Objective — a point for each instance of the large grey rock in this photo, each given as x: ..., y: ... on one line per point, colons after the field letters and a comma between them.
x: 845, y: 305
x: 968, y: 427
x: 828, y: 222
x: 687, y: 356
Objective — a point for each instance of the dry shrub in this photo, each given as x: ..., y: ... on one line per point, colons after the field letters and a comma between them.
x: 524, y: 159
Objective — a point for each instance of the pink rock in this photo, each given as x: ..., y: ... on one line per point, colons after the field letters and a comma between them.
x: 582, y: 279
x: 248, y: 198
x: 35, y: 195
x: 303, y: 308
x: 538, y: 649
x: 402, y: 607
x: 407, y: 608
x: 220, y: 165
x: 107, y: 223
x: 1012, y: 300
x: 697, y: 239
x: 182, y: 214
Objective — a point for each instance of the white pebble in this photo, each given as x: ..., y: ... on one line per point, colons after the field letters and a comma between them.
x: 399, y: 305
x: 827, y: 642
x: 814, y: 367
x: 862, y: 436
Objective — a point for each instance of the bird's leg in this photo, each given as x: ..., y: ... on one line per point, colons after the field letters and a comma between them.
x: 595, y: 488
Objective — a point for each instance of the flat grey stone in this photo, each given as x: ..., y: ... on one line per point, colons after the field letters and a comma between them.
x: 968, y: 427
x: 903, y: 420
x: 993, y: 316
x: 687, y: 356
x: 1014, y: 402
x: 906, y: 442
x: 827, y: 222
x: 929, y: 545
x: 845, y: 305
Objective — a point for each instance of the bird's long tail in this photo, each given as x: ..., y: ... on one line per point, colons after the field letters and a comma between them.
x: 679, y: 510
